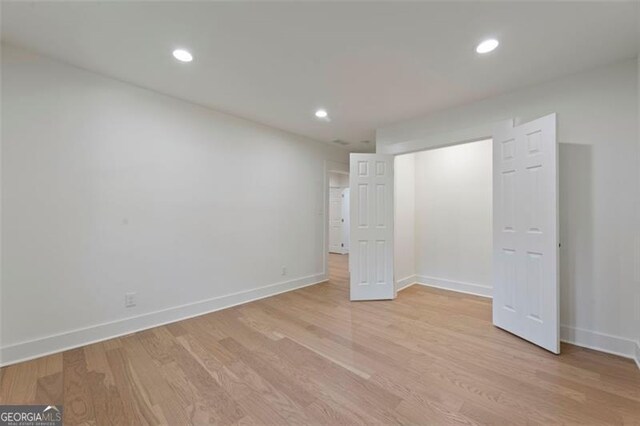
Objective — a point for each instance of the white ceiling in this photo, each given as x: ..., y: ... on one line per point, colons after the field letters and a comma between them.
x: 368, y: 64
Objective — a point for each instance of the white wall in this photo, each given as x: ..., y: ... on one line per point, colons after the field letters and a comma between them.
x: 637, y: 269
x: 108, y: 188
x: 599, y: 189
x: 338, y: 180
x: 404, y: 226
x: 453, y: 216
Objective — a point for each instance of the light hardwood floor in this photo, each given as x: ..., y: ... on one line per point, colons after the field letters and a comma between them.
x: 312, y: 357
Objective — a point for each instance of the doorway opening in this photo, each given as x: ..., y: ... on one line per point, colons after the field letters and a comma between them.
x: 443, y: 218
x: 338, y: 246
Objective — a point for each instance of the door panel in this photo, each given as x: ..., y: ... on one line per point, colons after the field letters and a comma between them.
x: 371, y: 211
x: 525, y: 228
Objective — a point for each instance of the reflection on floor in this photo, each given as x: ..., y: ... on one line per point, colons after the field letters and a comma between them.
x: 339, y: 268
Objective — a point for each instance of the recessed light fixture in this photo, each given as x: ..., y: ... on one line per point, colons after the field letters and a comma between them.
x: 487, y: 45
x: 182, y: 55
x: 321, y: 113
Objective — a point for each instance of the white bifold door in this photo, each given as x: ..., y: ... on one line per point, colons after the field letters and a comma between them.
x: 525, y: 231
x: 371, y: 242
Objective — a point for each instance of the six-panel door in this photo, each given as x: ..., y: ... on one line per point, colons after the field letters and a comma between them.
x: 525, y: 229
x: 371, y: 245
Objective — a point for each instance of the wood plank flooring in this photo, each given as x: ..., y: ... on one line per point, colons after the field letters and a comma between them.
x: 312, y: 357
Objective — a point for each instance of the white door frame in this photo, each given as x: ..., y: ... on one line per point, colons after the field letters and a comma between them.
x: 440, y: 140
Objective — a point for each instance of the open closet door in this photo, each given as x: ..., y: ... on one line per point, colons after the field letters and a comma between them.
x: 525, y: 231
x: 371, y: 236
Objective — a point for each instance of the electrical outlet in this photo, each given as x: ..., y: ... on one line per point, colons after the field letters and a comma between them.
x: 284, y: 270
x: 130, y: 300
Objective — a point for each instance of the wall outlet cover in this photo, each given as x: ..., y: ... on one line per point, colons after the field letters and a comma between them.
x: 130, y: 300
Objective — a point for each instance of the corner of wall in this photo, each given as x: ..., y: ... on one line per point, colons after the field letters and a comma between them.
x: 603, y: 342
x: 457, y: 286
x: 405, y: 282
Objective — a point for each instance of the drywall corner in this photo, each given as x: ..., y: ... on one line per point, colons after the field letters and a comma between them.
x: 405, y: 282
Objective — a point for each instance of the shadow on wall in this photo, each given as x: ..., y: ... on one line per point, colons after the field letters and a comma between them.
x: 576, y: 232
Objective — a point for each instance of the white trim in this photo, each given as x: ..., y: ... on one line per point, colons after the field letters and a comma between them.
x: 405, y: 282
x: 341, y: 252
x: 602, y: 342
x: 36, y: 348
x: 439, y: 140
x: 459, y: 286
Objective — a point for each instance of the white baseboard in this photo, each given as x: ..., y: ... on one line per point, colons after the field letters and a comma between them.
x: 25, y: 351
x: 459, y: 286
x: 602, y: 342
x: 405, y: 282
x: 342, y: 252
x: 36, y: 348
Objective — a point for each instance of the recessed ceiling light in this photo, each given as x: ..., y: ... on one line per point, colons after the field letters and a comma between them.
x: 487, y: 45
x: 321, y: 113
x: 182, y: 55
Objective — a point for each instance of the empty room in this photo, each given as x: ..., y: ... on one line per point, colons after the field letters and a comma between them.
x: 319, y: 213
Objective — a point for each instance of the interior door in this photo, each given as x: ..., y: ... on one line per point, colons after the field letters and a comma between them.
x: 525, y: 231
x: 371, y: 245
x: 345, y: 220
x: 335, y: 220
